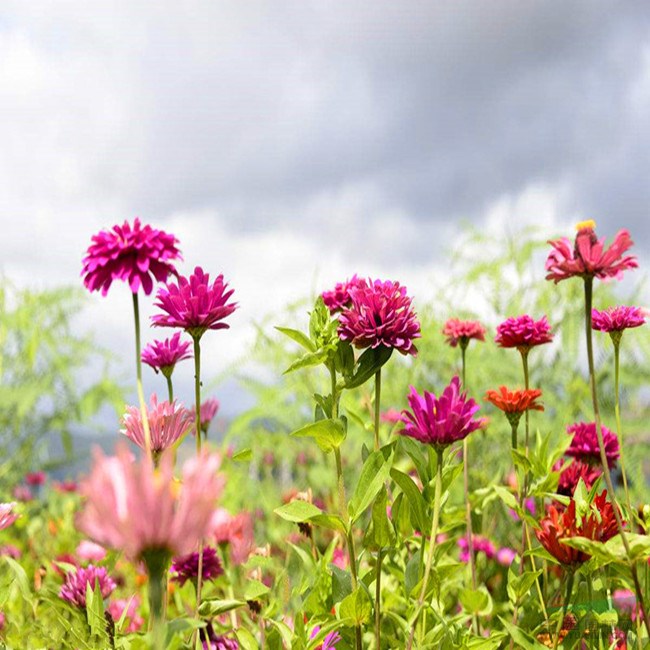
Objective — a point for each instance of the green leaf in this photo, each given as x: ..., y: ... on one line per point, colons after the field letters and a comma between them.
x: 331, y: 522
x: 412, y: 573
x: 474, y: 600
x: 307, y: 360
x: 246, y: 640
x: 381, y: 534
x: 521, y: 639
x: 341, y: 583
x: 374, y: 474
x: 356, y: 607
x: 298, y: 511
x: 210, y: 608
x: 243, y: 455
x: 520, y: 585
x: 508, y: 498
x: 255, y: 590
x: 20, y: 578
x: 95, y: 609
x: 368, y: 364
x: 328, y: 434
x: 299, y: 337
x: 415, y: 498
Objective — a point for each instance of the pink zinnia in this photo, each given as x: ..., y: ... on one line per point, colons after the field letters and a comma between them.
x: 570, y: 476
x: 162, y: 356
x: 481, y: 545
x: 380, y: 314
x: 134, y: 507
x: 584, y: 445
x: 339, y: 298
x: 7, y: 515
x: 459, y: 332
x: 76, y: 582
x: 617, y: 319
x: 186, y: 567
x: 235, y: 531
x: 90, y: 551
x: 132, y: 254
x: 587, y: 256
x: 167, y: 423
x: 440, y: 421
x: 194, y: 304
x: 132, y: 620
x: 523, y: 333
x: 35, y: 478
x: 209, y: 410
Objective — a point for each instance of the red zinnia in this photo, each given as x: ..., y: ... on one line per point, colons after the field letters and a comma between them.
x: 570, y: 476
x: 461, y: 331
x: 523, y: 333
x: 515, y: 401
x: 617, y: 319
x: 132, y: 254
x: 584, y: 445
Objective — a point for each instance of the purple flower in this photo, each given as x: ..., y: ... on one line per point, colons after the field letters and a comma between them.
x: 217, y: 641
x: 339, y: 298
x: 584, y: 445
x: 380, y: 314
x: 186, y: 567
x: 523, y: 333
x: 617, y: 319
x: 194, y: 304
x: 164, y: 355
x: 74, y: 588
x: 132, y: 254
x: 440, y: 422
x: 329, y: 641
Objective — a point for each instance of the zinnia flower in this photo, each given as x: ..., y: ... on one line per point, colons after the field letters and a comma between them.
x: 584, y: 445
x: 481, y: 545
x: 216, y: 641
x: 339, y: 298
x: 35, y: 479
x: 523, y: 333
x: 598, y: 525
x: 617, y: 319
x: 90, y: 551
x: 380, y: 314
x: 132, y: 254
x: 186, y: 567
x: 162, y: 356
x: 7, y: 515
x: 132, y: 621
x: 459, y: 332
x: 328, y: 642
x: 167, y: 423
x: 209, y: 410
x: 516, y: 401
x: 587, y: 257
x: 570, y: 476
x: 74, y: 588
x: 440, y: 421
x: 194, y: 304
x: 134, y: 507
x: 234, y: 531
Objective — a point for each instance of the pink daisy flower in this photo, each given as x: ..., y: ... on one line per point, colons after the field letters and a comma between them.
x: 87, y: 550
x: 460, y: 332
x: 162, y: 356
x: 584, y: 445
x: 523, y: 333
x: 76, y: 582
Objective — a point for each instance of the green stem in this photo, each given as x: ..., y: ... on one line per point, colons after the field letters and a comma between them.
x: 379, y: 553
x: 157, y: 563
x: 170, y: 388
x: 567, y: 598
x: 589, y: 281
x: 377, y: 403
x: 513, y: 434
x: 138, y: 370
x: 619, y: 428
x: 197, y: 425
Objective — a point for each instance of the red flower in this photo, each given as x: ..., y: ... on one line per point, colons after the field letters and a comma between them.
x: 516, y: 401
x: 523, y: 333
x: 461, y: 331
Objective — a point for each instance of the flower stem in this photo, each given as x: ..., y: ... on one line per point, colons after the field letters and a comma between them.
x: 565, y: 607
x: 138, y: 370
x: 589, y: 281
x: 377, y: 406
x: 170, y: 389
x: 619, y: 428
x: 197, y: 425
x: 156, y: 563
x: 379, y: 552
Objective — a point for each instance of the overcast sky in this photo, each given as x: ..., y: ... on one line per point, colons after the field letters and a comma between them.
x: 290, y: 144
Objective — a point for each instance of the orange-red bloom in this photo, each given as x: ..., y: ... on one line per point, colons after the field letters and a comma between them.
x: 516, y: 401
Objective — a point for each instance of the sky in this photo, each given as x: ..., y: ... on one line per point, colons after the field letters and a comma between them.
x: 290, y: 144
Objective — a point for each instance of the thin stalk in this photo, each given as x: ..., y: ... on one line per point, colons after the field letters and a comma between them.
x: 157, y: 569
x: 513, y: 434
x: 589, y: 281
x: 379, y: 553
x: 567, y: 598
x: 170, y: 388
x: 197, y: 425
x: 619, y: 428
x: 138, y: 370
x: 377, y: 406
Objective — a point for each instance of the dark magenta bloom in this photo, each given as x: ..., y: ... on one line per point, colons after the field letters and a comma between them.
x: 194, y: 304
x: 162, y: 356
x: 217, y: 641
x: 584, y: 445
x: 380, y: 314
x: 74, y: 588
x: 130, y: 253
x: 570, y: 476
x: 440, y: 421
x: 617, y: 319
x: 460, y: 332
x: 35, y: 478
x: 339, y: 298
x: 186, y: 567
x: 523, y: 332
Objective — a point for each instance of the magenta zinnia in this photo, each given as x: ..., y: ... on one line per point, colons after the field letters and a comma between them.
x: 440, y: 421
x: 130, y: 253
x: 162, y: 356
x: 460, y: 332
x: 194, y: 304
x: 339, y: 298
x: 523, y: 333
x: 77, y: 581
x: 380, y: 314
x: 134, y: 507
x: 584, y: 445
x: 570, y: 476
x: 617, y: 319
x: 167, y: 423
x: 186, y: 567
x: 7, y: 515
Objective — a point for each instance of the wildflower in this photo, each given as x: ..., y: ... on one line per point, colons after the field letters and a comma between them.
x: 163, y: 356
x: 506, y: 555
x: 168, y: 422
x: 460, y: 332
x: 625, y: 602
x: 588, y: 257
x: 234, y: 531
x: 195, y: 305
x: 132, y: 254
x: 481, y: 545
x: 380, y: 314
x: 339, y: 298
x: 7, y: 515
x: 328, y: 642
x: 584, y: 445
x: 523, y: 333
x: 570, y: 476
x: 440, y: 421
x: 35, y: 479
x: 88, y: 550
x: 514, y: 403
x: 186, y: 567
x: 599, y: 525
x: 616, y: 319
x: 132, y: 620
x: 209, y: 410
x: 73, y: 589
x: 135, y: 507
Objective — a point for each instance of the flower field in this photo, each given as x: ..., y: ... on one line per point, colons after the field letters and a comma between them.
x: 409, y: 476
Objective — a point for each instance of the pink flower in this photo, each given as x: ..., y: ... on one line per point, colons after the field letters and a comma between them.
x: 625, y: 602
x: 570, y: 476
x: 66, y: 486
x: 164, y: 355
x: 167, y: 423
x: 132, y: 254
x: 617, y: 319
x: 440, y: 421
x: 22, y: 493
x: 584, y: 445
x: 7, y: 515
x: 209, y: 410
x: 339, y: 298
x: 340, y: 558
x: 74, y: 587
x: 392, y: 416
x: 236, y: 532
x: 380, y: 314
x: 186, y: 567
x: 461, y: 331
x: 35, y: 478
x: 481, y: 545
x: 505, y: 556
x: 90, y: 551
x: 135, y: 507
x: 11, y: 551
x: 194, y: 304
x: 328, y: 642
x: 523, y: 333
x: 588, y: 257
x: 132, y: 619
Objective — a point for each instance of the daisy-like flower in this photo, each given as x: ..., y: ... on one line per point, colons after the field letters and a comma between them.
x: 73, y: 589
x: 440, y: 421
x: 130, y: 253
x: 134, y: 507
x: 598, y: 525
x: 7, y: 515
x: 380, y: 314
x: 584, y: 445
x: 132, y: 620
x: 209, y: 410
x: 339, y: 298
x: 186, y: 567
x: 167, y: 423
x: 235, y: 532
x: 617, y: 319
x: 460, y: 332
x: 570, y: 476
x: 163, y: 356
x: 587, y: 256
x: 195, y: 305
x: 523, y: 333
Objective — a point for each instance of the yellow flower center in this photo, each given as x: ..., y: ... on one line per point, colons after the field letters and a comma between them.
x: 584, y: 225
